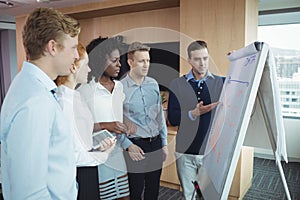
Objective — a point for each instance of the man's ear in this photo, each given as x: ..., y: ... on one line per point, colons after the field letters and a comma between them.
x: 73, y: 69
x: 189, y: 61
x: 129, y: 61
x: 51, y: 47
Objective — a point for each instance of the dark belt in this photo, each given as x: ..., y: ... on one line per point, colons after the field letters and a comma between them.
x: 148, y: 139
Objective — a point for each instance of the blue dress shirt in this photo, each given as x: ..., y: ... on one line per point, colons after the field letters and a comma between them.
x: 142, y: 106
x: 37, y: 156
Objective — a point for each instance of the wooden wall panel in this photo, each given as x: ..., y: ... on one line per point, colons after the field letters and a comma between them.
x: 21, y: 56
x: 149, y: 26
x: 224, y: 25
x: 164, y: 23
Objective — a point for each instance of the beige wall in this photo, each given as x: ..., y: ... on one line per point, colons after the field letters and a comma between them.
x: 160, y: 25
x: 225, y: 25
x: 149, y: 26
x: 20, y: 21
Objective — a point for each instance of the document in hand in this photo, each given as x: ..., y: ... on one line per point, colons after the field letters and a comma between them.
x: 99, y: 136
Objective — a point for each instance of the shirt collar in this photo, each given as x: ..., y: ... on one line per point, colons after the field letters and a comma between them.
x: 190, y: 76
x: 40, y: 75
x: 131, y: 83
x: 67, y: 92
x: 97, y: 85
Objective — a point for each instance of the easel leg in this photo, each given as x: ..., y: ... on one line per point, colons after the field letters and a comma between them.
x: 283, y: 180
x: 274, y: 146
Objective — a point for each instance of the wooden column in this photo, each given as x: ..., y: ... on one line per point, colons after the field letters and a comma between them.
x: 224, y: 24
x: 21, y: 55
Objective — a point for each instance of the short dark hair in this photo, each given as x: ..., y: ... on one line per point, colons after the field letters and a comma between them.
x: 136, y: 46
x: 98, y: 50
x: 196, y: 45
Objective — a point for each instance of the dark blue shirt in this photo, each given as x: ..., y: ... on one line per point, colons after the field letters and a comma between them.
x: 185, y: 93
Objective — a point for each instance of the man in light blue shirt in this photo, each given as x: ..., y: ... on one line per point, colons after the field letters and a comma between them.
x: 143, y: 107
x: 37, y: 156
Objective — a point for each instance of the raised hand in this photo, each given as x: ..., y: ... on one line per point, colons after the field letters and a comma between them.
x: 202, y: 109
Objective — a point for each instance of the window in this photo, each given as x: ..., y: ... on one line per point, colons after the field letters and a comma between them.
x: 284, y: 41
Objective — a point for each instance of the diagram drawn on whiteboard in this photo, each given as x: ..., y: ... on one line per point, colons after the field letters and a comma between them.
x: 228, y: 116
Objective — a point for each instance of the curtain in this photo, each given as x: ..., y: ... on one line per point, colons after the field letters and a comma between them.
x: 5, y: 63
x: 1, y: 74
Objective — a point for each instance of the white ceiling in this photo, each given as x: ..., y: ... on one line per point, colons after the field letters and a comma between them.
x: 25, y: 6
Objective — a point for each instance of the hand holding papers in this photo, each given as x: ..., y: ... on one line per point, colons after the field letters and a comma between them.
x: 103, y: 140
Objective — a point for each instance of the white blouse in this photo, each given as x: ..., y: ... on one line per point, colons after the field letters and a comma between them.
x: 110, y: 104
x: 106, y: 106
x: 82, y: 125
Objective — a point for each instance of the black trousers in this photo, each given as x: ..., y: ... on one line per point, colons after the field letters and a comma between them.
x: 1, y: 195
x: 87, y: 178
x: 144, y: 175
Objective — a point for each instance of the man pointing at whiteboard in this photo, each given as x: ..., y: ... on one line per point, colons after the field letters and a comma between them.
x: 191, y: 104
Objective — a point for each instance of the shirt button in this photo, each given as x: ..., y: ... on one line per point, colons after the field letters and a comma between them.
x: 200, y: 88
x: 198, y: 92
x: 199, y: 98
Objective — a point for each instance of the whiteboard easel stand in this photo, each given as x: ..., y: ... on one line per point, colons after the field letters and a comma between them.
x: 272, y: 141
x: 246, y: 118
x: 217, y: 173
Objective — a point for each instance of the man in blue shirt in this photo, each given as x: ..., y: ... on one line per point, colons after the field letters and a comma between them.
x: 37, y: 156
x: 191, y: 104
x: 143, y: 107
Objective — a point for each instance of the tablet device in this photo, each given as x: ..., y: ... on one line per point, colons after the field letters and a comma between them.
x: 99, y: 136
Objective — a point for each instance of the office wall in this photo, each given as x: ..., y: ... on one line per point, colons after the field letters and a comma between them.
x: 292, y: 127
x: 224, y: 25
x: 149, y: 26
x: 153, y: 26
x: 20, y: 21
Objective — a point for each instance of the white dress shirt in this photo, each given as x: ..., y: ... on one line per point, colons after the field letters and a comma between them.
x: 82, y: 124
x: 37, y: 156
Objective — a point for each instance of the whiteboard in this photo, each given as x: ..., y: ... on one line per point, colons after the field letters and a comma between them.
x: 231, y: 120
